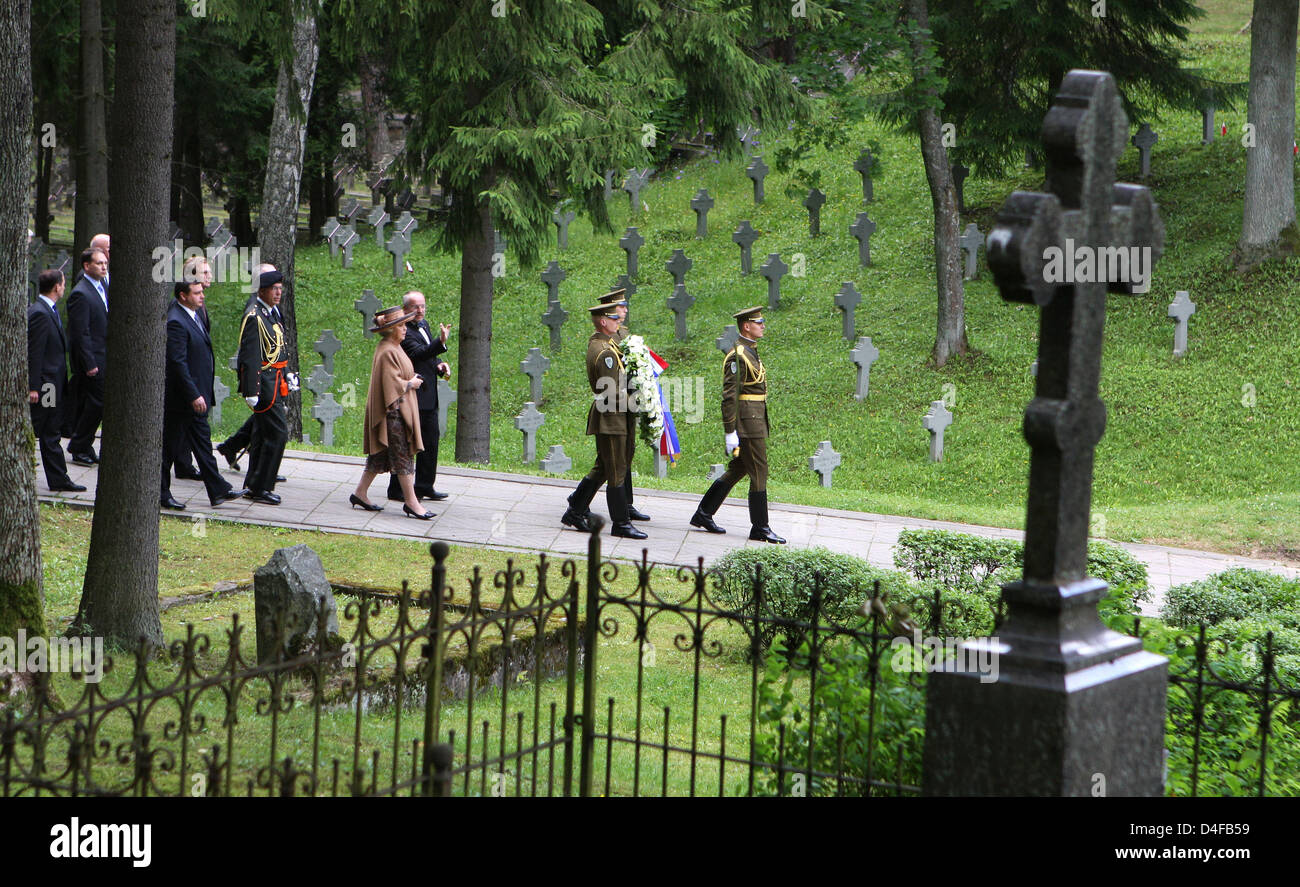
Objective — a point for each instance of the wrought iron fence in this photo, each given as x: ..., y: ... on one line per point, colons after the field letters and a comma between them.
x: 566, y: 678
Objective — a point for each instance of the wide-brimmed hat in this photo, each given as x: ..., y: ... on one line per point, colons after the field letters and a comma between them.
x: 604, y: 310
x: 388, y: 318
x: 615, y: 297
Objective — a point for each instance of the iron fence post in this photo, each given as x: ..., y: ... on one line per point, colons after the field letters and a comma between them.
x: 589, y: 659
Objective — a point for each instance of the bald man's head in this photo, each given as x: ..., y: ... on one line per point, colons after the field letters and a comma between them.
x: 100, y: 242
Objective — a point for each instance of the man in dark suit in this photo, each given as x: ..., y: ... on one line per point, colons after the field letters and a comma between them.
x: 263, y: 357
x: 88, y: 340
x: 197, y: 270
x: 189, y: 395
x: 423, y: 348
x: 47, y: 373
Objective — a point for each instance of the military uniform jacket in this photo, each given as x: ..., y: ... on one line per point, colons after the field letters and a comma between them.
x: 261, y: 344
x: 608, y: 412
x: 744, y: 392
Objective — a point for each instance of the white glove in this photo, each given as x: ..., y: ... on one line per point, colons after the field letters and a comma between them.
x: 292, y: 379
x: 733, y: 442
x: 252, y: 402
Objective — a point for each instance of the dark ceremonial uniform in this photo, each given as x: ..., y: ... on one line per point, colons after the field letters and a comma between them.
x: 262, y: 359
x: 619, y: 297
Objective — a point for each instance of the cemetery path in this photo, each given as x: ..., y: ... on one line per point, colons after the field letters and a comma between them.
x: 522, y: 512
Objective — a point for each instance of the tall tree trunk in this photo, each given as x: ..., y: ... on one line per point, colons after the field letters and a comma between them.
x: 119, y: 598
x: 285, y: 152
x: 378, y: 147
x: 22, y: 599
x: 189, y: 215
x: 91, y: 215
x: 1270, y: 167
x: 474, y: 363
x: 41, y: 205
x: 950, y: 340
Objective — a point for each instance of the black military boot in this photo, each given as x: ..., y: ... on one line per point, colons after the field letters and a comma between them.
x: 759, y: 530
x: 577, y: 514
x: 632, y: 511
x: 618, y: 516
x: 709, y: 506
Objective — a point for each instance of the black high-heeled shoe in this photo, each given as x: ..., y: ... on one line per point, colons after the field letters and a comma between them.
x: 428, y: 515
x: 357, y: 501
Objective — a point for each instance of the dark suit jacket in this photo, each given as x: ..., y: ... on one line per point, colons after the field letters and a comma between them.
x: 425, y: 360
x: 189, y: 361
x: 47, y: 360
x: 87, y: 329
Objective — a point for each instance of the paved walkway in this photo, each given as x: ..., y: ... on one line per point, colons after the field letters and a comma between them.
x: 522, y: 512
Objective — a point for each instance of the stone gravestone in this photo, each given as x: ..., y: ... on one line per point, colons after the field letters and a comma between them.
x: 325, y: 411
x: 534, y: 366
x: 348, y: 238
x: 327, y: 346
x: 609, y: 183
x: 728, y: 339
x: 824, y: 461
x: 702, y: 203
x: 319, y: 380
x: 63, y: 262
x: 935, y: 421
x: 847, y: 300
x: 219, y: 394
x: 970, y: 241
x: 377, y: 219
x: 864, y: 354
x: 1071, y: 699
x: 677, y: 265
x: 631, y: 242
x: 757, y: 171
x: 623, y: 282
x: 862, y: 228
x: 290, y: 592
x: 212, y: 227
x: 350, y: 210
x: 716, y: 471
x: 553, y: 276
x: 813, y: 203
x: 330, y: 230
x: 554, y: 317
x: 661, y: 464
x: 561, y: 222
x: 556, y: 462
x: 528, y: 422
x: 446, y: 397
x: 367, y: 305
x: 406, y: 224
x: 1207, y: 122
x: 863, y: 166
x: 1180, y: 309
x: 748, y: 137
x: 636, y: 180
x: 1144, y: 140
x: 399, y: 245
x: 773, y: 269
x: 744, y: 238
x: 678, y: 302
x: 959, y: 174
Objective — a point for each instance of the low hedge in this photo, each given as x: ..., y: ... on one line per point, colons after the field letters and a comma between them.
x: 1235, y: 594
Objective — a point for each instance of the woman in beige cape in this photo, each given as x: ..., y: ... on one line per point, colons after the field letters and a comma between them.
x: 392, y: 432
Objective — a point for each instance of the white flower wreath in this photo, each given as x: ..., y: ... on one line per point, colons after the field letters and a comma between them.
x: 644, y: 385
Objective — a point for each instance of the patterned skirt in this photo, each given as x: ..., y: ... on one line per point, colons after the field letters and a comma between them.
x: 397, y: 457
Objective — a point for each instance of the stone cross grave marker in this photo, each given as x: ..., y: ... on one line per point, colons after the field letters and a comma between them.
x: 377, y: 219
x: 677, y: 265
x: 1180, y: 309
x: 554, y: 318
x: 1144, y: 140
x: 212, y: 227
x: 555, y: 461
x: 970, y: 241
x: 62, y: 262
x: 561, y: 221
x: 399, y: 245
x: 744, y: 237
x: 935, y: 421
x: 331, y: 231
x: 446, y: 397
x: 864, y: 354
x: 824, y: 461
x: 405, y: 200
x: 757, y: 171
x: 623, y: 282
x: 367, y: 305
x: 609, y: 183
x: 1207, y: 122
x: 813, y: 203
x: 553, y: 276
x: 959, y: 174
x: 220, y: 391
x: 327, y: 346
x: 661, y: 464
x: 727, y: 341
x: 678, y: 302
x: 636, y: 180
x: 847, y: 300
x: 631, y: 242
x: 528, y: 421
x: 748, y: 137
x: 773, y: 269
x: 325, y: 411
x: 702, y: 203
x: 1052, y: 643
x: 862, y: 228
x: 350, y: 210
x: 406, y: 224
x: 320, y: 380
x: 348, y: 238
x: 863, y: 166
x: 534, y: 366
x: 716, y: 471
x: 233, y: 363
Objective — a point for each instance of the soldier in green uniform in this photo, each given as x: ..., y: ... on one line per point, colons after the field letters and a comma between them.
x: 618, y: 298
x: 744, y: 420
x: 607, y: 420
x: 262, y: 360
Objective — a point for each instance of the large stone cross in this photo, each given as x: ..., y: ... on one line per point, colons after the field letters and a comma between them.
x: 864, y: 354
x: 863, y: 166
x: 773, y: 269
x: 1180, y: 309
x: 824, y: 462
x: 328, y: 345
x: 406, y: 224
x: 727, y: 341
x: 561, y: 221
x: 534, y: 366
x: 678, y: 302
x: 331, y: 230
x: 554, y: 317
x: 623, y: 282
x: 1144, y: 140
x: 1072, y: 699
x: 1207, y: 122
x: 367, y: 305
x: 325, y: 411
x: 553, y: 276
x: 631, y: 242
x: 220, y: 391
x: 399, y: 245
x: 636, y: 180
x: 677, y: 265
x: 813, y: 203
x: 847, y: 300
x: 702, y: 203
x: 319, y: 380
x: 970, y: 240
x: 935, y: 420
x: 757, y: 171
x: 744, y: 237
x: 528, y: 422
x: 377, y: 219
x: 348, y: 238
x: 862, y: 228
x: 350, y: 210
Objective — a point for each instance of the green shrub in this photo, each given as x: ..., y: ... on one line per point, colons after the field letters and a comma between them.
x: 1237, y: 593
